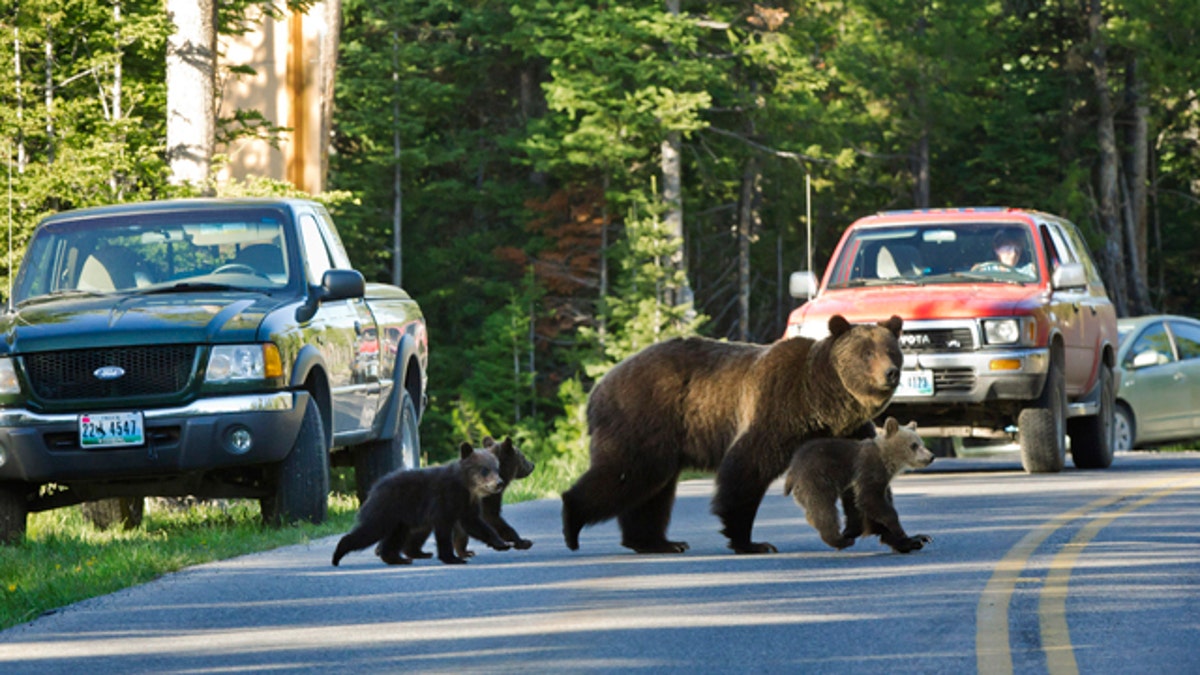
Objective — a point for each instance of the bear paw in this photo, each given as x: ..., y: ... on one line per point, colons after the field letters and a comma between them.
x: 663, y: 546
x: 913, y: 543
x: 453, y: 561
x: 843, y: 542
x: 501, y: 546
x: 753, y: 547
x: 522, y: 544
x: 395, y: 559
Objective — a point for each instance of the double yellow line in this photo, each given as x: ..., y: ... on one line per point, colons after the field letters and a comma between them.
x: 992, y: 649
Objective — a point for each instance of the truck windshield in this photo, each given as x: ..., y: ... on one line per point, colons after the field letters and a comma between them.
x: 937, y: 253
x: 151, y: 252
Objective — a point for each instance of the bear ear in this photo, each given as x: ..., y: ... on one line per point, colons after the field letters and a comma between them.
x: 488, y: 441
x: 894, y: 324
x: 838, y: 325
x: 507, y: 445
x: 890, y: 427
x: 912, y: 425
x: 465, y: 450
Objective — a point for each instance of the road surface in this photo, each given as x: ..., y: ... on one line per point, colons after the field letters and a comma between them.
x: 1093, y: 572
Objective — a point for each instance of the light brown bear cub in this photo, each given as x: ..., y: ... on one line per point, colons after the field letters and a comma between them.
x: 860, y: 474
x: 514, y: 465
x: 437, y: 498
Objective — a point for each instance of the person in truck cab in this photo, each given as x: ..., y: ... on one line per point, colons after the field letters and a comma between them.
x: 1009, y: 247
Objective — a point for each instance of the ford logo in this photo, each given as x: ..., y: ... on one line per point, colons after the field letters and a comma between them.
x: 109, y: 372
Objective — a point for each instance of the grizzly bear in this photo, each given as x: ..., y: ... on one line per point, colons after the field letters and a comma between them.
x: 860, y: 474
x: 514, y: 465
x: 436, y: 498
x: 739, y: 409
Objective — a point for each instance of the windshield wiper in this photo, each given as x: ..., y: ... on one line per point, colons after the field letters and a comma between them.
x: 61, y: 293
x: 192, y: 287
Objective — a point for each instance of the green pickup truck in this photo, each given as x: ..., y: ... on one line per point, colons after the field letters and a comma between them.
x: 212, y: 348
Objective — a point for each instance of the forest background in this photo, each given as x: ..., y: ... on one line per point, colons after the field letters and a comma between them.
x: 578, y: 179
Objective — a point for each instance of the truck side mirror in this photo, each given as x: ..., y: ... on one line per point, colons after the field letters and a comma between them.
x: 802, y: 284
x: 1069, y: 275
x: 342, y: 285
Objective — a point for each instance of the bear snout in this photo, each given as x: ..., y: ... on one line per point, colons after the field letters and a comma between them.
x: 892, y: 377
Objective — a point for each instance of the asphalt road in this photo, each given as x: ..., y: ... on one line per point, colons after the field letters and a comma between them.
x: 1093, y: 572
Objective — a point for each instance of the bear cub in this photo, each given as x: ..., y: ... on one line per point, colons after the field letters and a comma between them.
x: 859, y: 473
x: 436, y: 498
x: 514, y: 465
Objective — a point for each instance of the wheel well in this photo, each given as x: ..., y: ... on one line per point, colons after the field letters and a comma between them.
x: 317, y: 385
x: 412, y: 383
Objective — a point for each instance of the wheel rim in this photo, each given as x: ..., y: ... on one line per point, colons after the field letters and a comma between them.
x: 1122, y: 431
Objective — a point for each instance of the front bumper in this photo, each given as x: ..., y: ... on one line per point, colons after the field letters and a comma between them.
x: 40, y: 448
x: 980, y: 376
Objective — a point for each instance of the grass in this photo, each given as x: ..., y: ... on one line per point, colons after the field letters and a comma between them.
x: 64, y: 559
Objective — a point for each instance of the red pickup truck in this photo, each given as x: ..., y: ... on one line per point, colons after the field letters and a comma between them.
x: 1008, y: 331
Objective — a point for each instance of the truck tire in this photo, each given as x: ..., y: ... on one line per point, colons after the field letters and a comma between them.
x: 1092, y: 437
x: 299, y: 484
x: 376, y: 459
x: 105, y: 514
x: 13, y: 512
x: 1042, y: 427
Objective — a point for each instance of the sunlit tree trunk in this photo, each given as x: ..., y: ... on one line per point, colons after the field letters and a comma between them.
x: 1108, y: 197
x: 191, y: 73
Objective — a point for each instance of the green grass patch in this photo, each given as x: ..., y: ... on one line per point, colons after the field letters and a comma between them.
x: 64, y: 559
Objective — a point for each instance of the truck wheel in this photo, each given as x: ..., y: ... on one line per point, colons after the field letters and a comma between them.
x: 300, y: 483
x: 1092, y: 436
x: 376, y: 459
x: 1042, y: 428
x: 104, y: 514
x: 13, y: 510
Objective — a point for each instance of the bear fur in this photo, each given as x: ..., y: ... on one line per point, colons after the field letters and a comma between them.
x: 436, y: 498
x: 514, y: 465
x: 735, y: 408
x: 860, y: 474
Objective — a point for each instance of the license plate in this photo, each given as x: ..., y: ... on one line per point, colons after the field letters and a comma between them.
x: 111, y: 429
x: 915, y: 383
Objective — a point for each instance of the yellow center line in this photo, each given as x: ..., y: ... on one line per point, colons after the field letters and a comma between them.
x: 1052, y: 604
x: 993, y: 653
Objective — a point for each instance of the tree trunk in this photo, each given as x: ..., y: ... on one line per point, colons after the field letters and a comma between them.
x: 397, y: 193
x: 329, y: 53
x: 1137, y: 170
x: 49, y: 95
x: 1112, y: 259
x: 19, y: 100
x: 745, y: 230
x: 191, y: 73
x: 672, y: 171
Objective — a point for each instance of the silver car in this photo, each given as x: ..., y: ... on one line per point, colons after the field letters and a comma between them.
x: 1158, y: 398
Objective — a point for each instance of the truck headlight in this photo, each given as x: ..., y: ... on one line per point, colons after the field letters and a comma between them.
x: 240, y: 363
x: 9, y: 384
x: 1008, y: 331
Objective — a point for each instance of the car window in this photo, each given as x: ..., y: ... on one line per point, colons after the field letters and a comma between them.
x: 1187, y: 339
x: 1152, y: 347
x: 315, y: 251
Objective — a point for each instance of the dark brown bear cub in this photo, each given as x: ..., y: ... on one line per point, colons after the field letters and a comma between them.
x: 514, y: 465
x: 860, y: 474
x: 737, y: 408
x: 435, y: 498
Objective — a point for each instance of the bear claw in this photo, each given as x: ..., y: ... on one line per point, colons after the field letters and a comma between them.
x: 754, y: 547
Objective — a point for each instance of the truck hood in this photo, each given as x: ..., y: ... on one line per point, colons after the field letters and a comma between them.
x: 108, y: 321
x: 914, y: 303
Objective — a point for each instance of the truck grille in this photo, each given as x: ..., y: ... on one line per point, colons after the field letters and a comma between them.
x: 953, y: 379
x: 938, y: 339
x: 149, y: 371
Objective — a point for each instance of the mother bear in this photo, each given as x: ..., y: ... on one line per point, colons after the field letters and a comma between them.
x: 735, y: 408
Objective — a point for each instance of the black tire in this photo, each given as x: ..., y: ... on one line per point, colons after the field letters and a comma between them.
x: 1124, y: 428
x: 376, y: 459
x: 104, y: 514
x: 300, y: 483
x: 13, y: 512
x: 1042, y: 427
x: 1092, y: 436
